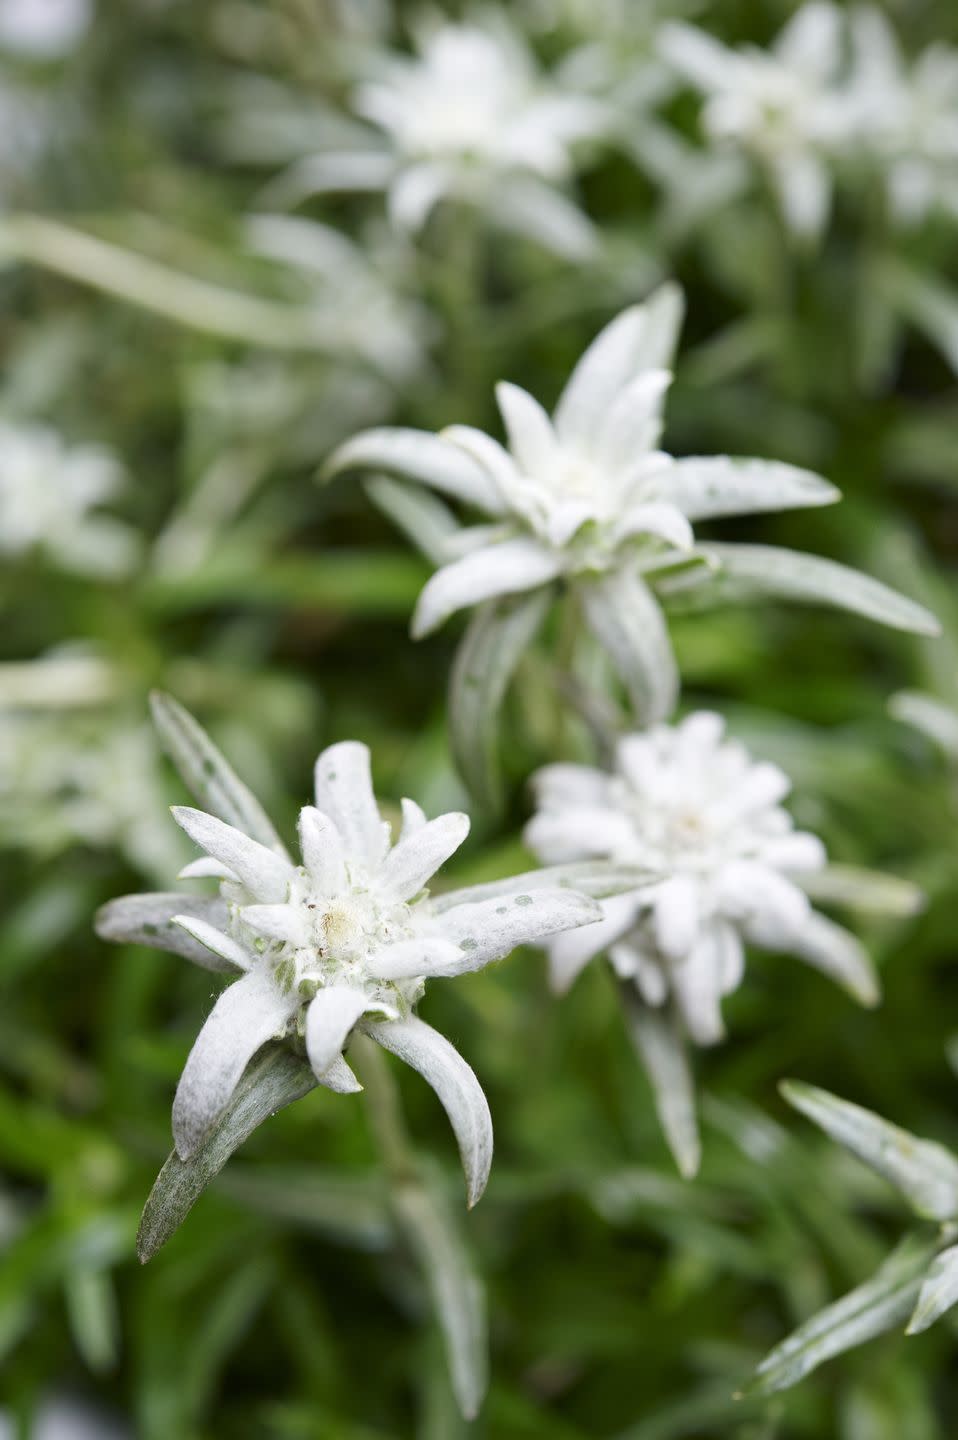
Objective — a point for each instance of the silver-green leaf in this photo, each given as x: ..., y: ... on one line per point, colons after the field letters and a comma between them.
x: 922, y: 1170
x: 275, y: 1079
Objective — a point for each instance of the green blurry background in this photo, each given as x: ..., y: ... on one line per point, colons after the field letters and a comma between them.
x: 623, y: 1302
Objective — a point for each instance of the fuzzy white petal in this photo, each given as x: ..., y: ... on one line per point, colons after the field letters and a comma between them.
x: 148, y: 920
x: 460, y: 1093
x: 531, y: 437
x: 344, y: 792
x: 322, y: 850
x: 419, y: 455
x: 489, y: 929
x: 331, y: 1015
x: 246, y: 1015
x: 417, y: 857
x: 506, y: 569
x: 641, y: 338
x: 228, y: 949
x: 424, y: 956
x: 264, y: 874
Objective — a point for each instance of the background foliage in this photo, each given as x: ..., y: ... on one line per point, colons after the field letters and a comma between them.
x: 624, y: 1303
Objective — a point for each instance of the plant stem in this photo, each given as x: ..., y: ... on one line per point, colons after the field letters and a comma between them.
x: 384, y: 1108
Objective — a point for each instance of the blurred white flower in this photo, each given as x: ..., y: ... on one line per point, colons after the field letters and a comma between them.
x: 83, y: 777
x: 467, y: 116
x: 355, y: 290
x: 694, y: 808
x: 785, y: 106
x: 43, y: 29
x: 588, y: 497
x: 906, y: 116
x: 347, y: 936
x: 48, y: 493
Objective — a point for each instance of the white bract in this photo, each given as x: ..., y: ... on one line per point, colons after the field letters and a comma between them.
x: 345, y: 935
x: 693, y: 807
x: 784, y: 106
x: 468, y: 115
x: 588, y: 497
x: 48, y: 498
x: 906, y: 117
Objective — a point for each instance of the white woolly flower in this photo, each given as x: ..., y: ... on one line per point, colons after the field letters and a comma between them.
x: 345, y: 935
x: 468, y: 116
x: 43, y: 29
x: 693, y: 807
x: 588, y: 497
x: 783, y: 106
x: 906, y: 117
x: 47, y: 495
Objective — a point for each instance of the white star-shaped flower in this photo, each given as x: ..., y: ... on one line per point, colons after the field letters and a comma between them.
x: 906, y: 116
x: 49, y: 502
x: 784, y: 106
x: 345, y: 936
x: 469, y: 116
x: 693, y: 807
x: 588, y: 498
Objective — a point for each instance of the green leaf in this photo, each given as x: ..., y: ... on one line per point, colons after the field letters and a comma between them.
x: 924, y: 1171
x: 207, y: 774
x: 628, y: 623
x: 871, y: 891
x: 771, y: 570
x: 275, y: 1079
x: 495, y: 639
x: 662, y: 1050
x: 939, y: 1292
x: 880, y: 1304
x: 454, y: 1286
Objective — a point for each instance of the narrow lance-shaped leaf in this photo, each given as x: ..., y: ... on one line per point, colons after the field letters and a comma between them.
x: 275, y: 1079
x: 454, y: 1286
x: 496, y: 638
x: 208, y: 775
x: 797, y: 576
x: 925, y: 1172
x: 423, y: 518
x: 861, y: 889
x: 939, y: 1291
x: 881, y: 1304
x: 440, y: 1064
x: 660, y: 1046
x: 628, y: 623
x: 418, y: 455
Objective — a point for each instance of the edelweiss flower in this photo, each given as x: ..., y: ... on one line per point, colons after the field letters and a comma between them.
x: 783, y: 106
x: 467, y: 116
x: 588, y: 497
x: 906, y: 119
x: 346, y: 936
x: 46, y: 495
x: 693, y: 807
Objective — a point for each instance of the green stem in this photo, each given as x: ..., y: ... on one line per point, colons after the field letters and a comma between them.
x: 384, y: 1108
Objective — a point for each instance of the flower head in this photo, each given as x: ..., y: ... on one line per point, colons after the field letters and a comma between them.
x: 693, y: 807
x: 467, y: 115
x: 346, y: 935
x: 783, y: 107
x: 588, y: 498
x: 47, y: 494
